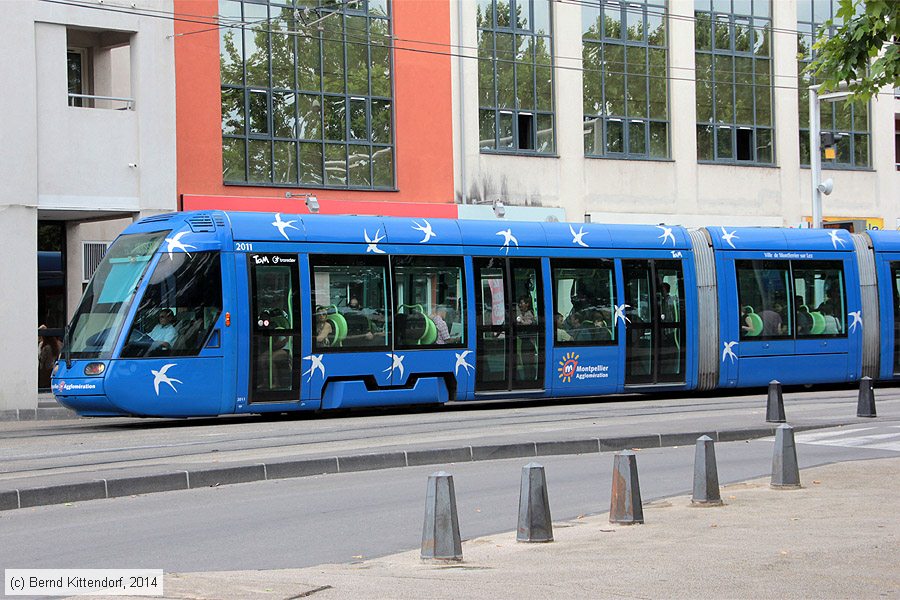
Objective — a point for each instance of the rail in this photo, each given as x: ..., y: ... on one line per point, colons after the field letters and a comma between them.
x: 90, y: 101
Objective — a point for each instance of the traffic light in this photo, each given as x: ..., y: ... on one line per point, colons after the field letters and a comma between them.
x: 828, y: 145
x: 852, y: 225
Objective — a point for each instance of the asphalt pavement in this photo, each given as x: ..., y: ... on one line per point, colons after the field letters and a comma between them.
x: 59, y: 461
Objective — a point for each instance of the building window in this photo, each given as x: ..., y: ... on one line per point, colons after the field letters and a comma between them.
x: 848, y: 122
x: 98, y: 69
x: 307, y: 94
x: 515, y: 76
x: 624, y: 79
x: 734, y: 81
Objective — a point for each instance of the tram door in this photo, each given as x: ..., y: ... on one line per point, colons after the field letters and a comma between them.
x: 654, y: 347
x: 274, y: 328
x: 510, y: 328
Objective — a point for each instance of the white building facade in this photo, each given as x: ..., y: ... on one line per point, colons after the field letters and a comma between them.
x: 89, y: 131
x: 711, y: 134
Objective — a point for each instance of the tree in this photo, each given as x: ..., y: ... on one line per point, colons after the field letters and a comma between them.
x: 863, y: 30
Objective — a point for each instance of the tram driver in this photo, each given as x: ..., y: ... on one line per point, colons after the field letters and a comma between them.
x: 164, y: 333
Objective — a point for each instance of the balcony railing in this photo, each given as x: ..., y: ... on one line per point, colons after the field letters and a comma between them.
x: 92, y: 101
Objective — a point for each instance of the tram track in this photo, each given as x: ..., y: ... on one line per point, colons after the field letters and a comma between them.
x: 337, y: 436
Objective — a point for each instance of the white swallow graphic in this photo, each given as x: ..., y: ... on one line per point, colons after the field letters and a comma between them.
x: 835, y: 239
x: 577, y: 238
x: 666, y: 234
x: 728, y: 352
x: 373, y: 242
x: 396, y: 364
x: 282, y: 225
x: 508, y: 238
x: 727, y: 237
x: 174, y: 243
x: 315, y: 365
x: 620, y: 314
x: 426, y: 229
x: 161, y: 377
x: 857, y: 320
x: 461, y: 361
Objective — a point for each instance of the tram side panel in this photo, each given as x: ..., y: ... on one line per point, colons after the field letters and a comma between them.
x: 785, y: 313
x: 888, y: 269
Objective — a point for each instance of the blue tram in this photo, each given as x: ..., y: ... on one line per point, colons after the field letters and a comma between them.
x: 212, y: 313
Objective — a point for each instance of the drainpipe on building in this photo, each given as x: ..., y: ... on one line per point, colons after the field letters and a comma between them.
x: 462, y: 104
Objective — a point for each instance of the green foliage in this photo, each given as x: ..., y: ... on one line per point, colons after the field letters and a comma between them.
x: 853, y: 54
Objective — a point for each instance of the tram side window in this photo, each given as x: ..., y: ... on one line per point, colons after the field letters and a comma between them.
x: 819, y: 299
x: 764, y: 297
x: 584, y: 302
x: 350, y: 297
x: 180, y: 307
x: 429, y: 306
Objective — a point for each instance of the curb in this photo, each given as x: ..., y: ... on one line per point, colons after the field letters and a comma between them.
x: 97, y: 489
x: 41, y: 413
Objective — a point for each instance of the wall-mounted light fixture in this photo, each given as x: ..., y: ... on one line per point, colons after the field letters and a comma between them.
x: 312, y: 203
x: 499, y: 209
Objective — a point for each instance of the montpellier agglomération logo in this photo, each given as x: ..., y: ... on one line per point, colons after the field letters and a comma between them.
x: 567, y: 367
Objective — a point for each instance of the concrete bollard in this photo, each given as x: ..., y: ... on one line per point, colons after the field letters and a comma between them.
x: 785, y: 472
x: 866, y: 405
x: 706, y: 477
x: 775, y: 405
x: 440, y: 534
x: 535, y: 524
x: 625, y: 505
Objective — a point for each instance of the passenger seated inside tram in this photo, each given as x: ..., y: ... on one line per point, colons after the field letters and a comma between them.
x: 832, y: 324
x: 324, y: 328
x: 359, y: 329
x: 804, y: 319
x: 561, y: 334
x: 773, y: 322
x: 439, y: 317
x: 579, y: 331
x: 601, y: 330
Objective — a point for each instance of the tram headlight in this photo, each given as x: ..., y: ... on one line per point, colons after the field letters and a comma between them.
x: 95, y: 368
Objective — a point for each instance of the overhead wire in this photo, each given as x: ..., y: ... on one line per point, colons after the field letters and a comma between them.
x: 231, y: 23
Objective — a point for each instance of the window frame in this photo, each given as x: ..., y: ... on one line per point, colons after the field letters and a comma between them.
x: 296, y: 146
x: 715, y: 128
x: 449, y: 261
x: 351, y: 260
x: 557, y: 264
x: 493, y: 112
x: 145, y: 308
x: 602, y: 118
x: 791, y: 291
x: 838, y: 265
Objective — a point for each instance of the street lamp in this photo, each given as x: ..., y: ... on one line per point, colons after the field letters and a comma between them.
x: 818, y: 186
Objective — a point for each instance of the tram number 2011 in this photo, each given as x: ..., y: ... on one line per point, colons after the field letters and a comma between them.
x: 243, y: 247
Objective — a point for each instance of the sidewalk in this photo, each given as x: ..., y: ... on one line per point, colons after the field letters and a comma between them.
x: 837, y: 537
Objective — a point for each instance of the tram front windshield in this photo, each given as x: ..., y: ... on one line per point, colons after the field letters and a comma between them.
x: 98, y: 320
